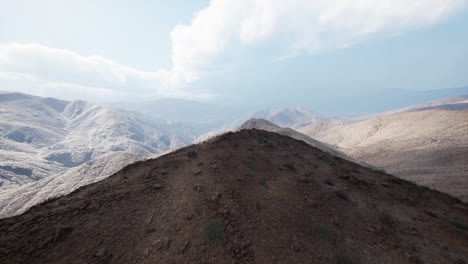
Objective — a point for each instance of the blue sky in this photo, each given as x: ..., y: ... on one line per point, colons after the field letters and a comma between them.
x: 248, y: 53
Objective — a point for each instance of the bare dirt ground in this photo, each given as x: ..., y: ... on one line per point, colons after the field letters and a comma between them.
x: 246, y: 197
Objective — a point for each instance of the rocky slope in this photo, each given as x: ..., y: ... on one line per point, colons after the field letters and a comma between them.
x: 428, y: 147
x: 245, y: 197
x: 40, y: 137
x: 16, y: 200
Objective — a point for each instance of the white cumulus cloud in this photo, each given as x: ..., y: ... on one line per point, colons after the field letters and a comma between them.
x: 292, y: 27
x: 300, y: 26
x: 71, y: 75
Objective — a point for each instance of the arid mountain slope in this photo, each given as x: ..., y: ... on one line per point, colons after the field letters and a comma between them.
x: 459, y: 102
x: 318, y: 128
x: 427, y: 147
x: 245, y: 197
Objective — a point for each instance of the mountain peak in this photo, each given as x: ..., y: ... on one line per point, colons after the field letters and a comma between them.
x: 8, y: 96
x: 257, y: 123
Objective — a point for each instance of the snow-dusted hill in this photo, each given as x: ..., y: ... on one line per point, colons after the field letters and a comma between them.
x: 44, y: 136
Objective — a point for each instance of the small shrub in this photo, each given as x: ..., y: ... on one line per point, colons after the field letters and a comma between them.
x: 345, y: 171
x: 289, y: 166
x: 326, y: 158
x: 369, y: 186
x: 50, y: 200
x: 214, y: 229
x: 381, y: 171
x: 461, y: 225
x: 388, y: 220
x: 342, y: 258
x: 262, y: 181
x: 311, y: 229
x: 305, y: 180
x: 328, y: 182
x: 431, y: 213
x: 251, y: 166
x: 249, y: 174
x: 323, y: 230
x: 397, y: 181
x: 421, y: 189
x: 411, y: 185
x: 342, y: 195
x: 192, y: 154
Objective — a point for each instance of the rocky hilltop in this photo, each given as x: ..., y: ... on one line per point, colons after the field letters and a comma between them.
x: 246, y: 197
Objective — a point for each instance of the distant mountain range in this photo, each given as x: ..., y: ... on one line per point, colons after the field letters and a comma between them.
x: 50, y: 147
x: 194, y: 118
x: 43, y: 136
x: 290, y: 117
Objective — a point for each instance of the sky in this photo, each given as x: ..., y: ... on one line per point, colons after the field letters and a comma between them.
x: 329, y: 55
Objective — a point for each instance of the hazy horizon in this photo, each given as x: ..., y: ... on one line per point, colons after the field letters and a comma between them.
x: 342, y: 106
x: 333, y: 57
